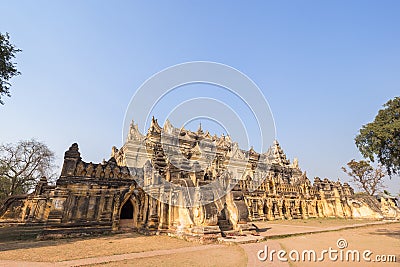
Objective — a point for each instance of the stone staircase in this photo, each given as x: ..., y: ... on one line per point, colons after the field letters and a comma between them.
x: 225, y: 226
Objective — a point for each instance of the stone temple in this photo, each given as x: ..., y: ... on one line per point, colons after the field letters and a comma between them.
x: 183, y: 183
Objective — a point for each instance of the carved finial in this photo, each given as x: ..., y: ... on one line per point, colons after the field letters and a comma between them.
x: 168, y: 127
x: 251, y: 150
x: 71, y: 158
x: 73, y: 151
x: 200, y: 130
x: 154, y: 127
x: 74, y: 147
x: 134, y: 133
x: 114, y: 151
x: 278, y: 156
x: 295, y: 163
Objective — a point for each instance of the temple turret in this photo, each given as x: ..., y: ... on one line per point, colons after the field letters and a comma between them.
x: 277, y: 155
x: 200, y: 130
x: 168, y: 128
x: 134, y: 133
x: 154, y: 126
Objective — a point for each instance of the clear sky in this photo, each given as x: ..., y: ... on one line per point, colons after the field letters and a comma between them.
x: 325, y: 67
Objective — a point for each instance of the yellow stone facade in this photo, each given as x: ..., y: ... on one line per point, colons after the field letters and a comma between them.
x: 184, y: 183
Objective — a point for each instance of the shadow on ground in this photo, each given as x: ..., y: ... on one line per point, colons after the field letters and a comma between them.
x: 12, y: 238
x: 386, y: 232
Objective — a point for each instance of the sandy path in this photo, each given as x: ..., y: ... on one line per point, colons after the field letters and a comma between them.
x: 381, y: 240
x: 252, y: 249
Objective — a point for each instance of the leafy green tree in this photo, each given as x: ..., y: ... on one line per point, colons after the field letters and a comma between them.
x: 381, y: 138
x: 22, y: 165
x: 366, y: 177
x: 8, y: 68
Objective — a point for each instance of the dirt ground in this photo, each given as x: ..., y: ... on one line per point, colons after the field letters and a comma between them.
x: 383, y: 239
x: 228, y: 256
x: 77, y: 248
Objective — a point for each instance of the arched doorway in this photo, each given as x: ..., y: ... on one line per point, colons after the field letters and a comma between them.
x: 127, y: 211
x: 128, y: 215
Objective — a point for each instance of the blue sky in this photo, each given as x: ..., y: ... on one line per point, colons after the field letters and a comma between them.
x: 325, y: 67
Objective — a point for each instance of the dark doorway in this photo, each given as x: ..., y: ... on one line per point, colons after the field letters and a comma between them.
x: 265, y: 209
x: 127, y: 210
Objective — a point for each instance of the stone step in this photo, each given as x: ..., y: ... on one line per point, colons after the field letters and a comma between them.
x: 225, y: 225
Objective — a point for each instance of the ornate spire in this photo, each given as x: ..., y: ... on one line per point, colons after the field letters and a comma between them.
x: 199, y: 130
x: 73, y: 152
x: 154, y: 127
x: 134, y: 133
x: 278, y: 156
x: 168, y: 127
x: 295, y: 163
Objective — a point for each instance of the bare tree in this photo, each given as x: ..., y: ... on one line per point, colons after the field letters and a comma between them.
x: 22, y: 165
x: 365, y: 176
